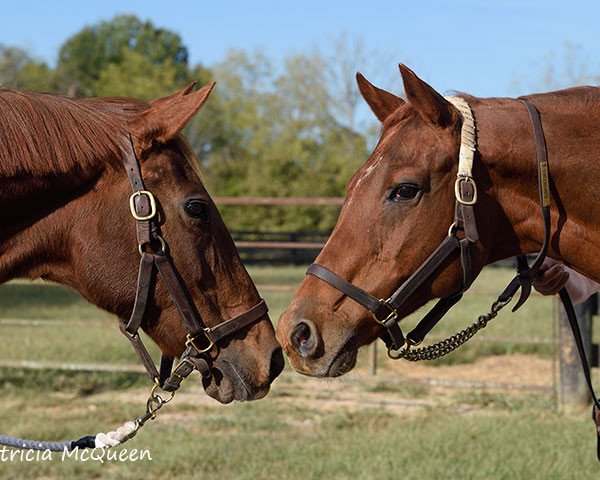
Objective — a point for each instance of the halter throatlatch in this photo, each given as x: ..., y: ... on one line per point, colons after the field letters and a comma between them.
x: 385, y: 312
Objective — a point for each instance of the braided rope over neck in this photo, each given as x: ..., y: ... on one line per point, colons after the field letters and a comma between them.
x: 468, y: 137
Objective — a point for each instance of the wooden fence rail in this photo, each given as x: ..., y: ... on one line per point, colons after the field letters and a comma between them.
x: 301, y: 247
x: 280, y: 201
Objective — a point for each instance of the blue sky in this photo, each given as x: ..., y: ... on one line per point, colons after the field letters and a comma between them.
x: 476, y: 46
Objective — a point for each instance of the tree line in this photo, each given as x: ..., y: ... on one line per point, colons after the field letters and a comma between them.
x: 269, y: 129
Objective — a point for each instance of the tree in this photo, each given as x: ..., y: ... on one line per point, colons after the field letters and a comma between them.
x: 137, y: 77
x: 111, y: 44
x: 281, y: 138
x: 20, y: 71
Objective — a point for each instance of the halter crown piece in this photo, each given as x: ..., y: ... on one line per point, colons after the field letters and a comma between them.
x: 468, y: 147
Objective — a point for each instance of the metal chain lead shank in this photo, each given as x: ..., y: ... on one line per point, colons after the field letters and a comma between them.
x: 450, y: 344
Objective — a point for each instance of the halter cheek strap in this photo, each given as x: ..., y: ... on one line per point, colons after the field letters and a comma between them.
x: 201, y: 340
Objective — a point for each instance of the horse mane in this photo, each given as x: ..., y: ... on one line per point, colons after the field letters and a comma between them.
x: 569, y: 100
x: 45, y: 134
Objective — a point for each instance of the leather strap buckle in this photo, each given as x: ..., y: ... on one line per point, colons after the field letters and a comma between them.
x: 204, y: 337
x: 176, y: 371
x: 391, y: 315
x: 458, y: 194
x: 151, y: 200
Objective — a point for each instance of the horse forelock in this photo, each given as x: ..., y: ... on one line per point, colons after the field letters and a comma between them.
x: 48, y: 134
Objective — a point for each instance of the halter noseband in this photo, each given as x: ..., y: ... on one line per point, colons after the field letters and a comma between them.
x: 201, y: 340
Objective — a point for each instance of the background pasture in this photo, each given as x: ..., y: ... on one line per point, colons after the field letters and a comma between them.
x: 409, y: 420
x: 286, y: 120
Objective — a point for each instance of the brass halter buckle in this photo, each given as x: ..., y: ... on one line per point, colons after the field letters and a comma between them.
x: 458, y: 194
x: 152, y: 205
x: 393, y: 313
x: 191, y: 341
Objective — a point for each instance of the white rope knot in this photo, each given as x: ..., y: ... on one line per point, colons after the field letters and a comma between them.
x: 116, y: 437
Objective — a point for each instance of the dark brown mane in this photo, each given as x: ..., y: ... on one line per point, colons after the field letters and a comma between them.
x: 44, y: 134
x: 570, y: 100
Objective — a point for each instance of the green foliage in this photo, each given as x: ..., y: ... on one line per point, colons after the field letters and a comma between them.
x: 280, y: 136
x: 19, y: 70
x: 85, y: 56
x: 137, y: 77
x: 285, y: 130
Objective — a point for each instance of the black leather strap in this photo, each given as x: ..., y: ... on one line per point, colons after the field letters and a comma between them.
x: 572, y: 317
x: 385, y: 312
x: 355, y: 293
x: 417, y: 334
x: 425, y: 272
x: 201, y: 339
x: 192, y: 321
x: 229, y: 327
x: 543, y: 179
x: 144, y: 282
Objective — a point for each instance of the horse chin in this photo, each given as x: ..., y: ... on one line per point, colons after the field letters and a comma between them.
x: 343, y: 362
x: 228, y: 383
x: 335, y: 365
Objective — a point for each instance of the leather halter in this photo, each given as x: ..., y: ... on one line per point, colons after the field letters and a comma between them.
x: 385, y: 312
x: 201, y: 340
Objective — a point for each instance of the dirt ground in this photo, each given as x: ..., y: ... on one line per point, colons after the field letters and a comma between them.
x: 411, y: 387
x: 526, y: 370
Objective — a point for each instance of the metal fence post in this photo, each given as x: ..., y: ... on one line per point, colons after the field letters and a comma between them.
x: 373, y: 362
x: 572, y: 388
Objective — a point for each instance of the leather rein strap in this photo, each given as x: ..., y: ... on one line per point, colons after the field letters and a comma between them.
x: 201, y: 340
x: 385, y: 312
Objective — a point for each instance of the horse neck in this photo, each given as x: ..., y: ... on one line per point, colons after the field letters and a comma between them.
x: 38, y: 214
x: 509, y: 176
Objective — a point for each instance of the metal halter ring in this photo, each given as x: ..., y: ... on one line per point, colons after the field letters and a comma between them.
x: 458, y: 195
x: 163, y: 245
x: 397, y: 354
x: 152, y: 205
x: 393, y: 313
x: 452, y: 229
x: 156, y: 398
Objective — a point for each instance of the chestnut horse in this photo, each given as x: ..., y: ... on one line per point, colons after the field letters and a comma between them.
x: 401, y: 202
x: 66, y: 218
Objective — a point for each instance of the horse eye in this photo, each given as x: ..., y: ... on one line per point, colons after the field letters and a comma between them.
x: 198, y: 209
x: 403, y: 191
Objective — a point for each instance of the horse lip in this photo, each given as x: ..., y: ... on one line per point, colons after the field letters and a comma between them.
x: 246, y: 392
x: 344, y: 360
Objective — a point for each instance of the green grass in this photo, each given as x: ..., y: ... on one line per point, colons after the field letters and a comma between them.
x: 292, y: 434
x: 88, y: 335
x: 275, y: 439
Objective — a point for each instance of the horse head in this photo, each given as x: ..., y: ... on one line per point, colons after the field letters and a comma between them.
x: 399, y: 207
x: 86, y: 236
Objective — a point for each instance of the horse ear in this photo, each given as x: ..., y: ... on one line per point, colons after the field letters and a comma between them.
x: 188, y: 89
x: 432, y: 106
x: 165, y: 118
x: 381, y: 102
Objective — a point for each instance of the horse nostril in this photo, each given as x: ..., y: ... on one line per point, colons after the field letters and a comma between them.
x: 304, y: 339
x: 277, y: 364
